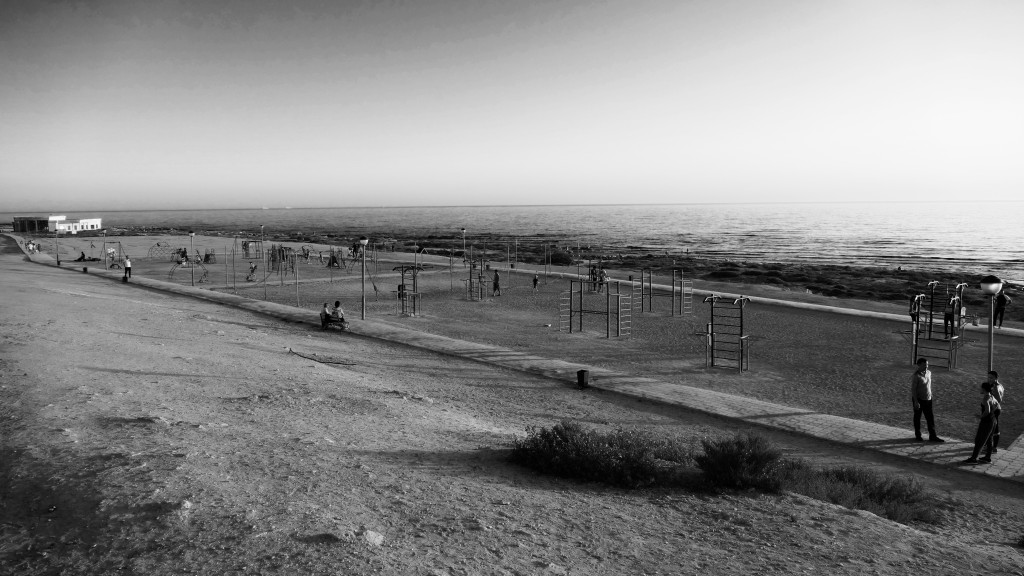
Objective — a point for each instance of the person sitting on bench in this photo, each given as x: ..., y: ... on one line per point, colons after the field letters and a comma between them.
x: 334, y: 316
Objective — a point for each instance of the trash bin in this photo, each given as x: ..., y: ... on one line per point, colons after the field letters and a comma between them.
x: 85, y: 269
x: 583, y: 378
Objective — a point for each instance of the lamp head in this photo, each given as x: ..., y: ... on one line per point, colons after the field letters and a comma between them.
x: 191, y: 233
x: 991, y: 285
x: 364, y: 240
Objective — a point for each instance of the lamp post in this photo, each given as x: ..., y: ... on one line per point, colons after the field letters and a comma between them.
x: 56, y: 242
x: 264, y: 262
x: 992, y: 286
x: 191, y: 248
x: 104, y: 248
x: 463, y: 246
x: 363, y: 241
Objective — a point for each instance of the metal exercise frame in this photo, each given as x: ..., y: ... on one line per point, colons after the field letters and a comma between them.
x: 727, y: 343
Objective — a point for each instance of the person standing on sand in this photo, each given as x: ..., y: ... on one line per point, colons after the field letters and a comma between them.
x: 986, y: 421
x: 127, y: 266
x: 921, y: 396
x: 1001, y: 302
x: 497, y: 284
x: 536, y: 280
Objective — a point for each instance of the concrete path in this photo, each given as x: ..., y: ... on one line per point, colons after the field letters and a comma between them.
x: 1008, y: 463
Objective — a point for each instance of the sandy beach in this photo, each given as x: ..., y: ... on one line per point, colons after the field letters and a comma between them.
x: 846, y: 366
x: 150, y: 433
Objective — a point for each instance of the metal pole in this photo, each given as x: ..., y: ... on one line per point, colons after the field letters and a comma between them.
x: 991, y: 328
x: 451, y: 272
x: 295, y: 257
x: 581, y: 305
x: 56, y: 243
x: 579, y: 273
x: 608, y: 312
x: 191, y: 249
x: 263, y: 257
x: 362, y: 242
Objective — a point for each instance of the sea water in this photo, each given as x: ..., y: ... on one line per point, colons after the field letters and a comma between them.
x: 973, y: 237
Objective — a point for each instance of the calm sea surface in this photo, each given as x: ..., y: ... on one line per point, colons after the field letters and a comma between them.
x: 976, y: 237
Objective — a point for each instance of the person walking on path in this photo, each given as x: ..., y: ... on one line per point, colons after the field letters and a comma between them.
x: 986, y: 420
x: 497, y: 284
x: 127, y: 267
x: 997, y: 392
x: 921, y: 396
x: 1002, y: 300
x: 536, y: 280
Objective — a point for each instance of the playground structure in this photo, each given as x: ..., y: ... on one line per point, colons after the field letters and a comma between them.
x: 475, y: 282
x: 407, y: 297
x: 727, y: 343
x: 681, y: 294
x: 251, y: 248
x: 925, y: 342
x: 113, y: 254
x: 619, y: 306
x: 196, y: 262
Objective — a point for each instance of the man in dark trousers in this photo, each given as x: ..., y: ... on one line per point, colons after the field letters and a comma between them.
x: 1001, y: 301
x: 921, y: 396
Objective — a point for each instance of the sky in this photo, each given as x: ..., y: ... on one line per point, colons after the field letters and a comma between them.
x: 193, y: 104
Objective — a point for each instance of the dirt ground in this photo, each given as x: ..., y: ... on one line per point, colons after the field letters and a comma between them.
x: 144, y: 433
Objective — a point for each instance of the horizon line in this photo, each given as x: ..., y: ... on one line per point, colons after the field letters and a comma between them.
x: 439, y: 206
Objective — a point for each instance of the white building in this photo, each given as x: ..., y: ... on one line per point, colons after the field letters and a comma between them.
x: 62, y: 224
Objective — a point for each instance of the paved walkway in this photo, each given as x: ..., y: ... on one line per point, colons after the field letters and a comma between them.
x: 1008, y: 463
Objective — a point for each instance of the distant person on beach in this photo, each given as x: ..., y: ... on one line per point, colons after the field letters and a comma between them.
x: 81, y: 258
x: 536, y: 280
x: 986, y: 422
x: 496, y: 284
x: 127, y: 266
x: 998, y: 391
x: 1002, y: 300
x: 921, y: 396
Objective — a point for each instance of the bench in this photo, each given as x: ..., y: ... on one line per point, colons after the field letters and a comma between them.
x: 326, y: 321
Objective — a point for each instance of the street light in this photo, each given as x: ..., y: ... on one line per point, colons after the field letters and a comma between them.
x: 992, y: 286
x: 191, y: 265
x: 463, y: 246
x: 104, y: 248
x: 264, y: 262
x: 363, y: 241
x: 56, y: 242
